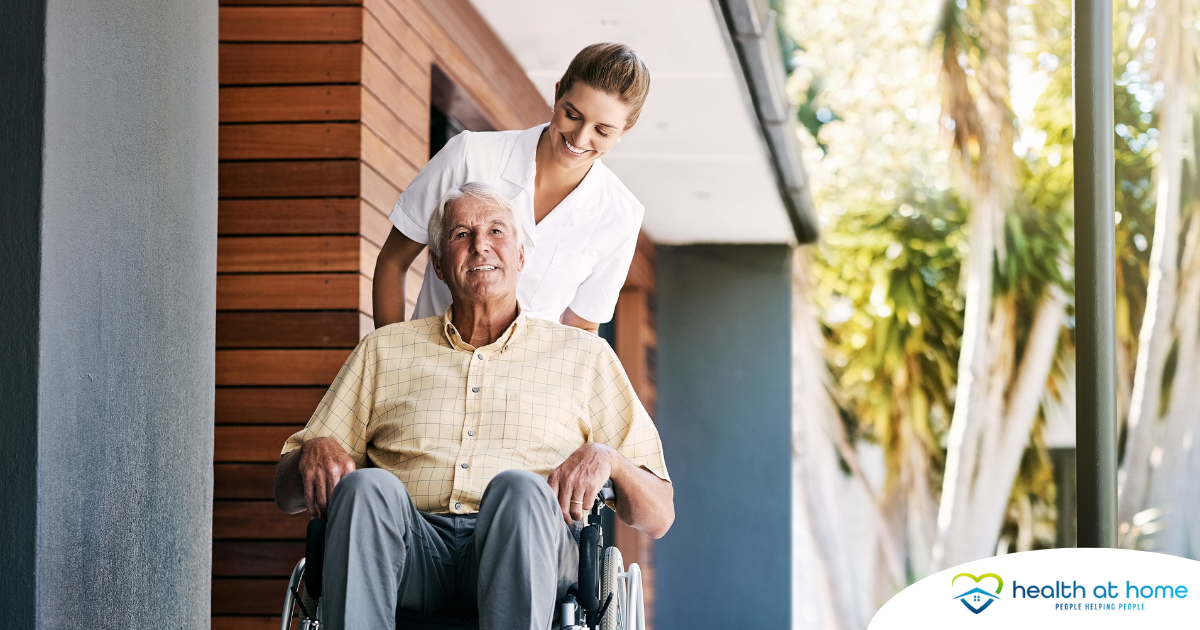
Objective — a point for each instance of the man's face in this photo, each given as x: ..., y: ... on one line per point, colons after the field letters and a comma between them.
x: 481, y: 255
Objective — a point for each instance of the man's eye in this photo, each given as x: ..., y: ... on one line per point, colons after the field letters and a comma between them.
x: 497, y: 231
x: 460, y: 234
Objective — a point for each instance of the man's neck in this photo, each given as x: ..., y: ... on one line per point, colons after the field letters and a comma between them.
x: 481, y: 324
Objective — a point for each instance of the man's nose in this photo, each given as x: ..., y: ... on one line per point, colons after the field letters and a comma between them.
x: 481, y: 243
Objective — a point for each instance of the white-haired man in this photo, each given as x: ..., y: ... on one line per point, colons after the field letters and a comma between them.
x: 488, y: 434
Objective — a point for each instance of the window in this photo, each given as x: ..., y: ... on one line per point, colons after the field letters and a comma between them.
x: 451, y: 112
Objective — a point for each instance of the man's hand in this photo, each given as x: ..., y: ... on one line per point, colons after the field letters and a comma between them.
x: 310, y: 474
x: 644, y: 501
x: 577, y: 481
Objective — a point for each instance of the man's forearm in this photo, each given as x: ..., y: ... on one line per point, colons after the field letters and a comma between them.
x: 289, y: 487
x: 644, y: 501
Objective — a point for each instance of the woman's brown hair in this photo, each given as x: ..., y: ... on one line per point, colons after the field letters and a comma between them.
x: 612, y: 68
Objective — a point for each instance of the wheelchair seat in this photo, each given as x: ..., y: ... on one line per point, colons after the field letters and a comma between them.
x: 606, y: 597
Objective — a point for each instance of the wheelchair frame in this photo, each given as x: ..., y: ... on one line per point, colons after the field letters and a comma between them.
x: 580, y: 609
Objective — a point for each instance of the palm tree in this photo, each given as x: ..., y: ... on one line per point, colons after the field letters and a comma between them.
x: 1155, y: 458
x: 1000, y: 383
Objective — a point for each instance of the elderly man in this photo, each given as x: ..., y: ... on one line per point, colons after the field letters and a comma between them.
x: 453, y: 455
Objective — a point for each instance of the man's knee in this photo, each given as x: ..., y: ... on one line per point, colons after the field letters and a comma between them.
x: 369, y: 485
x: 522, y: 486
x: 520, y: 482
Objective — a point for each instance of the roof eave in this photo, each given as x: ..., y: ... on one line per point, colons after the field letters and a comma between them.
x: 761, y: 62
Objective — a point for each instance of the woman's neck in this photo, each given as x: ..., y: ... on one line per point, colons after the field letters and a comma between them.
x: 552, y: 183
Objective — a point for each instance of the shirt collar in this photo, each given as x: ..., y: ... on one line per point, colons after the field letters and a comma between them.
x: 519, y: 169
x: 516, y: 331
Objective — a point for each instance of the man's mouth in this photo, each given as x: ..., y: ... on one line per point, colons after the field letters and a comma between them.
x: 572, y: 148
x: 482, y: 268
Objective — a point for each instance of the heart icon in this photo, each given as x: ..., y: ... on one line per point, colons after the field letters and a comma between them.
x: 999, y: 580
x: 977, y: 600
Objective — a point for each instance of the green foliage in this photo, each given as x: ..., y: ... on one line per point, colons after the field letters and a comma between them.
x: 888, y: 286
x: 1136, y: 143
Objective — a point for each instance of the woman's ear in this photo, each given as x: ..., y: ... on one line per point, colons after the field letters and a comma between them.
x: 556, y: 94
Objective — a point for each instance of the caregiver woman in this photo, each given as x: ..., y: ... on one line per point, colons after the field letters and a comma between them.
x: 582, y: 223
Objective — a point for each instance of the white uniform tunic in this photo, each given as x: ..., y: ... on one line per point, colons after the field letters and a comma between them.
x: 578, y: 255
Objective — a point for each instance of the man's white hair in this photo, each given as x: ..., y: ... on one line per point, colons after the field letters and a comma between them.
x: 482, y: 192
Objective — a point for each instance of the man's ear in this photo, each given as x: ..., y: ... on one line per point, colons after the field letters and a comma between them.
x: 520, y: 257
x: 437, y: 266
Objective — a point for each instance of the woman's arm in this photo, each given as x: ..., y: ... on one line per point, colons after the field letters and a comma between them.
x: 571, y: 319
x: 391, y: 268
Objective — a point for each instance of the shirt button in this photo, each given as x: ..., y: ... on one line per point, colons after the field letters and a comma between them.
x: 474, y: 390
x: 480, y: 355
x: 469, y: 432
x: 457, y: 505
x: 464, y: 464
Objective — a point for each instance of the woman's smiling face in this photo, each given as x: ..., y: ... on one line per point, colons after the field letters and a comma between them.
x: 586, y: 124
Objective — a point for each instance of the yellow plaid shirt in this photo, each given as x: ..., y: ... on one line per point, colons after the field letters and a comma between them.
x: 444, y: 417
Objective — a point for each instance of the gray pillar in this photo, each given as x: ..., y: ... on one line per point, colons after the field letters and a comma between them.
x: 1095, y: 276
x: 725, y: 415
x: 108, y: 160
x: 22, y: 43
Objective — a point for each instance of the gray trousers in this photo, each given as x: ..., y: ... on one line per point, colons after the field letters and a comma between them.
x: 510, y: 562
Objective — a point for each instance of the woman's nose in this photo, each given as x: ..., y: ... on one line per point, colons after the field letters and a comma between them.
x: 582, y: 138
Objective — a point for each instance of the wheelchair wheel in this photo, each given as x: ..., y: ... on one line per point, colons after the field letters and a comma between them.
x: 610, y: 583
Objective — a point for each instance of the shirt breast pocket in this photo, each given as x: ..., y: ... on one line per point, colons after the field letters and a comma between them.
x: 542, y: 430
x: 567, y: 271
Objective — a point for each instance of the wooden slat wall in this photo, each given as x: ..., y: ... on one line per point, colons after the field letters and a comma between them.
x: 636, y: 346
x: 290, y: 282
x: 324, y: 120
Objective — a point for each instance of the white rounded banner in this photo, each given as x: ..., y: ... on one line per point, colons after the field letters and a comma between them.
x: 1055, y: 588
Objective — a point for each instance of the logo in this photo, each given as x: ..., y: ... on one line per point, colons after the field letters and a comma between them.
x: 977, y: 600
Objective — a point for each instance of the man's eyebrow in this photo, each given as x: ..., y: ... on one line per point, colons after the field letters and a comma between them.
x: 576, y: 109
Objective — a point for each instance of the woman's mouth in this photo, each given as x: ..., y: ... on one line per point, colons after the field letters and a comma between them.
x: 572, y: 149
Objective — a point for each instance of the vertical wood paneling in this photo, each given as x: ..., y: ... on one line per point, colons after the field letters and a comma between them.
x: 290, y: 24
x: 324, y: 112
x: 636, y: 341
x: 290, y: 272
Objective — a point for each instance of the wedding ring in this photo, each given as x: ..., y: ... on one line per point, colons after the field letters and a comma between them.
x: 579, y: 502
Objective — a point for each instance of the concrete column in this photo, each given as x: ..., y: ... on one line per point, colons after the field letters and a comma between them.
x: 725, y: 415
x: 108, y: 160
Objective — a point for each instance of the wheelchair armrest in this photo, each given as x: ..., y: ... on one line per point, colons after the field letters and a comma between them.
x: 314, y: 557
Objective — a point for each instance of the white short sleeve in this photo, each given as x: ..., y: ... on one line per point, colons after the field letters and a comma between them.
x: 596, y: 298
x: 444, y: 171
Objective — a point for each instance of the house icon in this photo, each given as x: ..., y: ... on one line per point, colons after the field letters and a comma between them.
x: 977, y: 600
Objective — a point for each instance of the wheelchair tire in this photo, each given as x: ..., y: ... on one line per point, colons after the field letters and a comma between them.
x: 612, y: 568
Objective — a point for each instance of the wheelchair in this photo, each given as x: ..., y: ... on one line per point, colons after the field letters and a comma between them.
x: 607, y: 596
